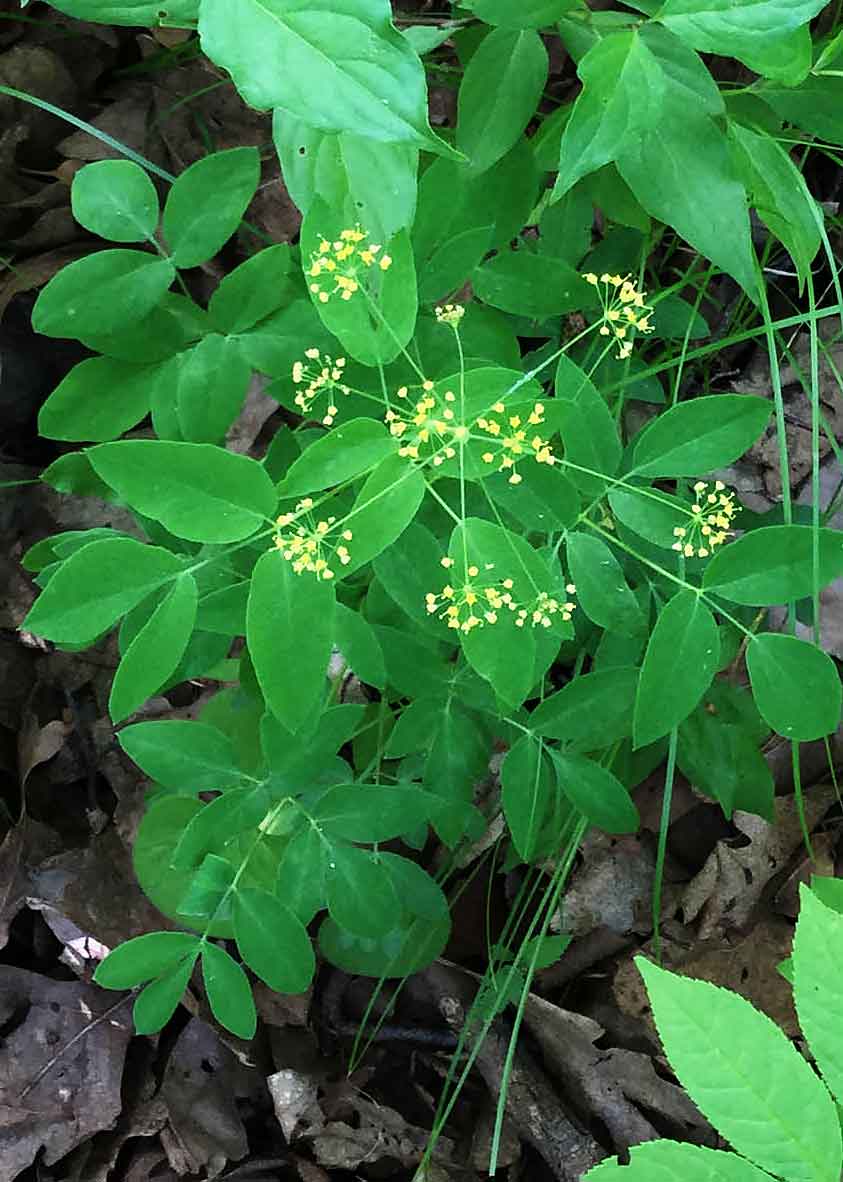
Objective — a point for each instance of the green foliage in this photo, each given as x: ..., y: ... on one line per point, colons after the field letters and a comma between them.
x: 480, y: 535
x: 746, y: 1076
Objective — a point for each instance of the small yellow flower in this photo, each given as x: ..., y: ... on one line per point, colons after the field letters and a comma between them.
x: 343, y: 263
x: 450, y: 314
x: 709, y: 521
x: 619, y: 298
x: 306, y: 546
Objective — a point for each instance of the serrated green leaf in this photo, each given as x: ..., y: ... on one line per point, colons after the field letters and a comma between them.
x: 744, y: 1075
x: 272, y: 941
x: 143, y: 958
x: 795, y: 685
x: 101, y: 293
x: 228, y: 990
x: 817, y: 989
x: 186, y: 756
x: 206, y: 203
x: 97, y: 585
x: 698, y: 436
x: 115, y: 199
x: 156, y: 650
x: 681, y: 659
x: 289, y: 632
x: 197, y: 491
x: 672, y: 1161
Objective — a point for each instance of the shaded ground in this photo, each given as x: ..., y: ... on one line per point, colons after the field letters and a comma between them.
x: 80, y: 1097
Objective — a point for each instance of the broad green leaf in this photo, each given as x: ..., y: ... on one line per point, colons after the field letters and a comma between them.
x: 156, y: 650
x: 367, y: 181
x: 591, y: 711
x: 206, y: 203
x: 197, y: 491
x: 98, y: 400
x: 385, y: 506
x: 737, y: 28
x: 206, y: 386
x: 399, y: 952
x: 528, y: 793
x: 101, y: 293
x: 532, y: 285
x: 817, y: 987
x: 650, y: 512
x: 674, y: 1161
x: 774, y: 564
x: 500, y: 90
x: 338, y: 456
x: 156, y: 1004
x: 376, y: 323
x: 815, y: 105
x: 681, y: 659
x: 115, y: 199
x: 98, y: 585
x: 598, y: 795
x: 143, y: 958
x: 602, y: 590
x: 700, y: 435
x: 359, y: 645
x: 527, y: 14
x: 301, y: 874
x: 272, y: 941
x: 665, y: 166
x: 795, y: 685
x: 361, y: 892
x: 228, y: 990
x: 181, y: 13
x: 253, y: 290
x: 630, y: 79
x: 209, y: 893
x: 339, y: 66
x: 778, y: 191
x: 231, y: 813
x: 371, y: 812
x: 185, y: 756
x: 290, y: 632
x: 744, y: 1075
x: 588, y: 429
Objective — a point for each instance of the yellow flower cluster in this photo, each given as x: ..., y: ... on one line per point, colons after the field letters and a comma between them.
x: 515, y: 440
x: 324, y: 375
x: 343, y: 263
x: 624, y: 308
x: 431, y: 421
x: 711, y: 516
x: 450, y: 314
x: 475, y: 604
x: 307, y: 546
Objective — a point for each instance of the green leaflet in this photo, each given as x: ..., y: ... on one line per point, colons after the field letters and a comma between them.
x: 206, y: 203
x: 228, y: 990
x: 131, y: 12
x: 115, y: 199
x: 681, y: 659
x: 143, y: 958
x: 498, y: 95
x: 816, y: 984
x: 208, y: 385
x: 186, y: 756
x: 774, y: 564
x: 528, y: 14
x: 740, y: 28
x: 156, y: 1004
x: 775, y: 1110
x: 339, y: 66
x: 596, y: 792
x: 697, y: 436
x: 289, y: 631
x: 341, y: 454
x: 195, y: 490
x: 272, y: 941
x: 156, y: 650
x: 98, y: 585
x: 102, y: 293
x: 591, y: 711
x: 602, y: 590
x: 99, y: 400
x: 527, y: 794
x: 360, y: 891
x: 259, y: 286
x: 795, y: 685
x: 676, y: 1161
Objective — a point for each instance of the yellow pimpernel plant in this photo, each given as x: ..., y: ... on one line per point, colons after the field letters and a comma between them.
x: 474, y: 603
x: 624, y: 309
x: 709, y: 523
x: 338, y: 268
x: 307, y: 544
